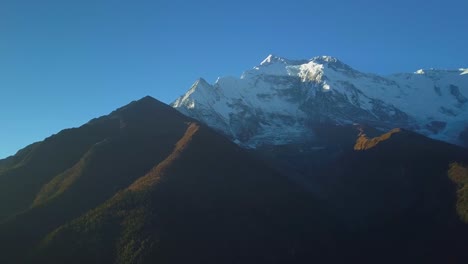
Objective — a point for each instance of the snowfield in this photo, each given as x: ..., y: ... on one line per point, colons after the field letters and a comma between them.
x: 281, y: 100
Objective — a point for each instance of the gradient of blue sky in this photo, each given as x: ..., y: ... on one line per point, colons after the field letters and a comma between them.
x: 65, y: 62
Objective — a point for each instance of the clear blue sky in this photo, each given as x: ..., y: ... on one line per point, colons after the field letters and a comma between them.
x: 65, y: 62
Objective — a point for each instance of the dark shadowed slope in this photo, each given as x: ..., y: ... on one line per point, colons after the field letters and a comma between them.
x: 391, y: 192
x: 22, y: 175
x: 207, y: 203
x: 59, y: 158
x: 146, y: 184
x: 77, y: 169
x: 161, y: 188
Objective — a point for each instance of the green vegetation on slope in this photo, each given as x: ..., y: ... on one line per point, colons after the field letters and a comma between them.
x: 140, y: 135
x: 394, y: 198
x: 458, y: 173
x: 207, y: 202
x: 36, y: 165
x: 159, y: 187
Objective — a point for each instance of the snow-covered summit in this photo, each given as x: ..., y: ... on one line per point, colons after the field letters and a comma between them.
x: 274, y: 65
x: 270, y: 59
x: 281, y: 100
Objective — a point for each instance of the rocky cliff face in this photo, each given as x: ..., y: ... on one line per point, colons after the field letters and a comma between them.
x: 280, y: 101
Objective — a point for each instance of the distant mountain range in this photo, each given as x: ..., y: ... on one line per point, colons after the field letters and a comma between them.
x: 296, y: 162
x: 281, y: 100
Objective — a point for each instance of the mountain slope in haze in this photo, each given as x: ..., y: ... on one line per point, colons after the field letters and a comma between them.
x: 280, y: 100
x: 156, y: 187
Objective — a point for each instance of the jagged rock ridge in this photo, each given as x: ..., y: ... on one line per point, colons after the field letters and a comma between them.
x: 281, y: 100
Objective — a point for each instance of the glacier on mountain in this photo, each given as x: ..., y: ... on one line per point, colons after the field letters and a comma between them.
x: 281, y: 101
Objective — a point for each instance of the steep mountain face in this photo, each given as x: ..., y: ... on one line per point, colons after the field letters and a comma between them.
x: 393, y: 191
x: 396, y: 186
x: 56, y: 180
x: 281, y: 101
x: 147, y: 184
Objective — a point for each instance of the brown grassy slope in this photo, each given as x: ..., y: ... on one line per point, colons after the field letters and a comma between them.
x: 156, y: 173
x: 363, y: 142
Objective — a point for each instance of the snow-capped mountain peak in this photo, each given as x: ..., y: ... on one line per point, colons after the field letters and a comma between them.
x: 280, y: 101
x: 271, y: 59
x: 326, y: 60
